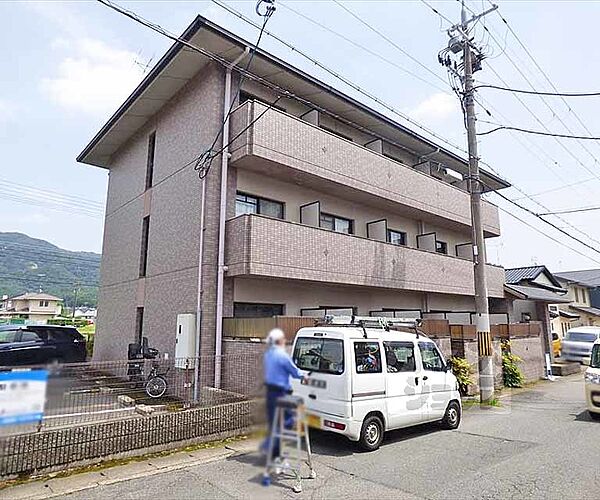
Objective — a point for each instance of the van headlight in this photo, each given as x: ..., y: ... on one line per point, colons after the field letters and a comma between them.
x: 592, y: 378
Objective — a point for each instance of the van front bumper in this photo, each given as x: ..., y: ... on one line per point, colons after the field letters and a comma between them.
x: 332, y: 423
x: 592, y: 397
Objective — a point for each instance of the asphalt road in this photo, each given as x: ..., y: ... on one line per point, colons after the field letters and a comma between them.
x: 539, y: 444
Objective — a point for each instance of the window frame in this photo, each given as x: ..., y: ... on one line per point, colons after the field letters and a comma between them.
x: 150, y: 160
x: 335, y: 218
x: 443, y: 248
x: 405, y: 343
x: 437, y: 350
x: 257, y: 204
x: 258, y: 304
x: 143, y: 271
x: 322, y: 340
x: 358, y: 342
x: 402, y: 234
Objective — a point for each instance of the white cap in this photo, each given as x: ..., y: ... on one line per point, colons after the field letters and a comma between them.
x: 275, y: 335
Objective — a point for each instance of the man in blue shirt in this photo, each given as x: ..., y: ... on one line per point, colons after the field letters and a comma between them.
x: 278, y: 368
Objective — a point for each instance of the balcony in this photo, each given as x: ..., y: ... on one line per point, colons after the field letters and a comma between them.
x: 260, y: 246
x: 286, y: 147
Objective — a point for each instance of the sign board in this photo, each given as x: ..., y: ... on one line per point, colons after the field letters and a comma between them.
x: 22, y: 396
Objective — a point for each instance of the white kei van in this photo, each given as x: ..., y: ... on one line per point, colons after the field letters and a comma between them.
x: 365, y: 378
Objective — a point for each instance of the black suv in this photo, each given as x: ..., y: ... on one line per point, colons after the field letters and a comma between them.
x: 40, y: 344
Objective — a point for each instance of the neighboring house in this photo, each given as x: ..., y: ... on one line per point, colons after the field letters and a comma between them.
x: 584, y: 294
x: 35, y: 307
x: 329, y: 206
x: 535, y: 292
x: 87, y: 313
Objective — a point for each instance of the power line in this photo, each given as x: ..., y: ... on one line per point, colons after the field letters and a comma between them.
x: 537, y: 230
x: 42, y: 280
x: 538, y: 132
x: 388, y: 40
x: 537, y: 65
x: 535, y: 92
x: 572, y: 211
x: 282, y: 92
x: 342, y: 78
x: 359, y: 46
x: 559, y: 188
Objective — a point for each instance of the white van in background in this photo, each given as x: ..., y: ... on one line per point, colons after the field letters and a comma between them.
x: 366, y: 378
x: 578, y: 342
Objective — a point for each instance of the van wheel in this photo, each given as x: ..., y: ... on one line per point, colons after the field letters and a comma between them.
x: 371, y: 434
x: 452, y: 417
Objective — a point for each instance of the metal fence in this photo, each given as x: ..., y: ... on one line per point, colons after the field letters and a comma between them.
x: 78, y: 394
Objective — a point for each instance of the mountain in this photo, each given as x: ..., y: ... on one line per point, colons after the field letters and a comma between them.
x: 28, y: 264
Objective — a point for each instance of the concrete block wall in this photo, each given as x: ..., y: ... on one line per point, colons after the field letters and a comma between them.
x: 529, y: 349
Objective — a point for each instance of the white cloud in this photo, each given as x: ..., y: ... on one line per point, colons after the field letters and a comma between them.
x: 436, y: 108
x: 8, y: 111
x: 94, y: 78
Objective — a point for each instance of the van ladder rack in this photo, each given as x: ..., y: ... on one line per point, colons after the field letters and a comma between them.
x: 369, y: 322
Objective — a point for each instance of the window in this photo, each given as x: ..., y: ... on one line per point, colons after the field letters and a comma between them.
x: 8, y: 336
x: 322, y: 311
x: 29, y: 336
x: 368, y: 357
x: 399, y: 356
x: 396, y: 237
x: 576, y: 294
x: 319, y: 355
x: 43, y: 303
x: 139, y: 324
x: 595, y: 361
x: 144, y: 246
x: 432, y: 360
x: 250, y: 310
x: 574, y: 336
x: 150, y: 160
x: 441, y: 247
x: 248, y: 204
x: 337, y: 224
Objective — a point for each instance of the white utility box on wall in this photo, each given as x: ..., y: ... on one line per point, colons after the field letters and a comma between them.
x: 185, y: 341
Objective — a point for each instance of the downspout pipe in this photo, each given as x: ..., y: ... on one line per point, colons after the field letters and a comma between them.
x: 199, y: 294
x: 222, y: 216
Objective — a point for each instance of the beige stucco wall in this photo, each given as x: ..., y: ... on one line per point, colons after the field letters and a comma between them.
x: 297, y: 295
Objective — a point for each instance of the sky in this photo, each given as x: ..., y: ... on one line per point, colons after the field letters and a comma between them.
x: 67, y: 66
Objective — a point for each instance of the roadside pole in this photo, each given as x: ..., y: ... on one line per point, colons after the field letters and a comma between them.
x: 459, y: 37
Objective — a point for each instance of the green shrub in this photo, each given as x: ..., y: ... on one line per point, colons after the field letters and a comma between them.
x: 511, y: 373
x: 462, y: 370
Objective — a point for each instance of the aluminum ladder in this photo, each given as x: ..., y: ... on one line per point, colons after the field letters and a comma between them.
x: 290, y: 439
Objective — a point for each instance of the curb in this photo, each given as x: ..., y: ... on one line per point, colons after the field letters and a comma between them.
x: 51, y: 488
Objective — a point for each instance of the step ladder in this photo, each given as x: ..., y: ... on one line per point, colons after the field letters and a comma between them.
x: 290, y: 439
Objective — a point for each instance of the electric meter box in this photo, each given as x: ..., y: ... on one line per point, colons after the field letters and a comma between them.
x: 185, y: 341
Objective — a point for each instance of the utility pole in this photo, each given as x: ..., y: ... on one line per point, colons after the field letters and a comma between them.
x: 76, y: 291
x: 460, y: 41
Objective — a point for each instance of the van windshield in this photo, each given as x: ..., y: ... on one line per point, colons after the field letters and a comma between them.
x: 319, y: 355
x: 581, y: 337
x: 595, y: 361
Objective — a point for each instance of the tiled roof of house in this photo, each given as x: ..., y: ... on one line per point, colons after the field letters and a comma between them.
x: 517, y: 274
x: 588, y: 277
x: 536, y: 293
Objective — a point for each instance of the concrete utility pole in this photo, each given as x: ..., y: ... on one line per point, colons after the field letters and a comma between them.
x: 459, y: 37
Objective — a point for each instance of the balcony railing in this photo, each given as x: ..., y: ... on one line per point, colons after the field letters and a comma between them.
x: 261, y: 246
x: 285, y: 146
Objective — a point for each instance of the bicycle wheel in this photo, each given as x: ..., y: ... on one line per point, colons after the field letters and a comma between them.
x: 156, y: 386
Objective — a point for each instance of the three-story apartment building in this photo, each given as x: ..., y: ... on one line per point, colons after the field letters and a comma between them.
x: 327, y: 206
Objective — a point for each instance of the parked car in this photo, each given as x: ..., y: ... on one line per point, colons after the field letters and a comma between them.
x: 40, y: 344
x: 556, y: 344
x: 592, y: 383
x: 578, y: 342
x: 363, y: 382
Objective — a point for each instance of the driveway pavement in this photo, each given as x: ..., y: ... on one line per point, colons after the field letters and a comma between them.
x: 539, y: 443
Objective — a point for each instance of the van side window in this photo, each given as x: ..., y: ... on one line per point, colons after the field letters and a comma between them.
x: 368, y: 357
x: 432, y: 361
x: 399, y: 356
